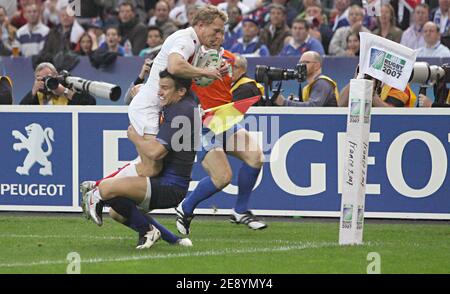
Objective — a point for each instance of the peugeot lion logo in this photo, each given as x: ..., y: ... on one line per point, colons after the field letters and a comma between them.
x: 33, y: 143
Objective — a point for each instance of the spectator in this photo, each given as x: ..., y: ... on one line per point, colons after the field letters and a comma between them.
x: 179, y: 13
x: 154, y: 42
x: 6, y: 96
x: 19, y: 20
x: 340, y: 15
x: 191, y: 10
x: 311, y: 3
x: 233, y: 29
x: 318, y: 27
x: 141, y: 8
x: 8, y: 32
x: 250, y: 45
x: 97, y: 33
x: 320, y: 91
x: 236, y: 3
x: 353, y: 45
x: 130, y: 29
x: 33, y: 35
x: 405, y: 10
x: 275, y: 34
x: 413, y: 36
x: 433, y: 46
x: 440, y: 17
x: 40, y: 95
x: 338, y: 44
x: 4, y: 49
x: 301, y: 41
x: 112, y: 43
x: 137, y: 84
x: 291, y: 10
x: 63, y: 37
x: 161, y: 19
x: 243, y: 86
x: 86, y: 45
x: 50, y: 14
x: 9, y: 6
x: 386, y: 24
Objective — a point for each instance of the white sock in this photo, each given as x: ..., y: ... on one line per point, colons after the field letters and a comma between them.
x: 128, y: 171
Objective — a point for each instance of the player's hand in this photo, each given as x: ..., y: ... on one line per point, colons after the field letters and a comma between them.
x: 424, y: 101
x: 133, y: 136
x: 224, y: 69
x: 212, y: 73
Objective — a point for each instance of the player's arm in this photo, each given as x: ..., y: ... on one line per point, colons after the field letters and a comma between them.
x: 152, y: 149
x: 178, y: 66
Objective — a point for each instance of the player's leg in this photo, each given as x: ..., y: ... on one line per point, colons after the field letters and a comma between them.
x: 219, y: 176
x: 242, y: 146
x: 166, y: 234
x: 148, y: 167
x: 133, y: 188
x: 125, y: 211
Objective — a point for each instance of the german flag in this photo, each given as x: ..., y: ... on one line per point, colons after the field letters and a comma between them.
x: 221, y: 118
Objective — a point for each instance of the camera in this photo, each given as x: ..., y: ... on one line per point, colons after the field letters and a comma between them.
x: 266, y: 74
x: 425, y: 74
x: 50, y: 84
x: 98, y: 89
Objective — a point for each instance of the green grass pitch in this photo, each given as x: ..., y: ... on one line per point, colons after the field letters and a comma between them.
x: 40, y: 244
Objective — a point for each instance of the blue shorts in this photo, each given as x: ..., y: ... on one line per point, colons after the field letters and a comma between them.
x: 211, y: 141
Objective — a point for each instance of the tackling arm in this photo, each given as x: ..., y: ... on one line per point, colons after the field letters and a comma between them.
x: 152, y: 149
x: 178, y: 66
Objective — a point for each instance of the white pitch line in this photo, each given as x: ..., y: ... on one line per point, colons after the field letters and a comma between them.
x: 89, y: 237
x: 308, y: 245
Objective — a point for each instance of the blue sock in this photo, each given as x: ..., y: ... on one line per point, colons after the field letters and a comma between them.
x: 166, y: 235
x: 204, y: 190
x: 246, y: 182
x: 136, y: 220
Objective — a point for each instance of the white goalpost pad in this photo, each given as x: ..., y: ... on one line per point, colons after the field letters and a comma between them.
x: 355, y: 165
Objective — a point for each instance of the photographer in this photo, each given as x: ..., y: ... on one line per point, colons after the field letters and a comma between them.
x: 242, y: 86
x: 320, y: 91
x: 41, y: 95
x: 137, y: 84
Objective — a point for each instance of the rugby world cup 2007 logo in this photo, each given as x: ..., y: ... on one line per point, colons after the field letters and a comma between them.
x: 387, y: 62
x: 377, y: 58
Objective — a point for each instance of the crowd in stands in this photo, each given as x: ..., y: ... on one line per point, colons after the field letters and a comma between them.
x: 47, y: 31
x: 255, y: 28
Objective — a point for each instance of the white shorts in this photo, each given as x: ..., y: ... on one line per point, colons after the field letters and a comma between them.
x: 144, y: 111
x: 144, y: 206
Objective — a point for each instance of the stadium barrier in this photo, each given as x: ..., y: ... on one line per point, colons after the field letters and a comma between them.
x: 47, y: 151
x: 125, y: 70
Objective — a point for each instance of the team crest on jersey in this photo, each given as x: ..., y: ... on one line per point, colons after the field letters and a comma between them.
x: 161, y: 118
x: 36, y: 137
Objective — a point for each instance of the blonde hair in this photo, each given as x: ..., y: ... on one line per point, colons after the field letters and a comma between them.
x: 208, y: 14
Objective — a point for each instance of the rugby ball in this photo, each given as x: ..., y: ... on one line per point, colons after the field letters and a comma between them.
x: 206, y: 58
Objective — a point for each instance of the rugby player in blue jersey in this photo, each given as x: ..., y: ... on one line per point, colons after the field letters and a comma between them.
x: 175, y: 144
